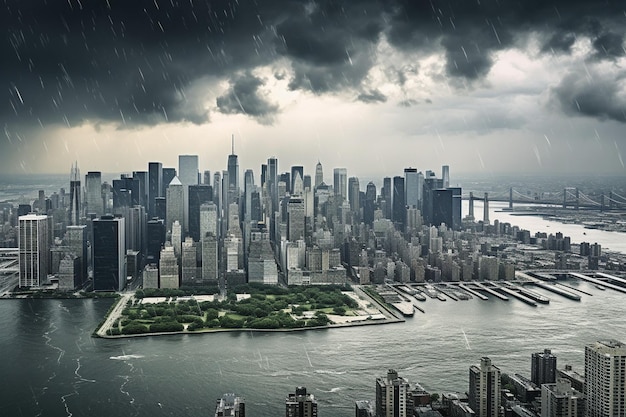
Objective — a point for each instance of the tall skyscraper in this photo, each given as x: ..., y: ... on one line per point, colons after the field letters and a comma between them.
x: 411, y: 184
x: 233, y: 171
x: 155, y: 240
x: 34, y: 249
x: 354, y: 194
x: 296, y: 169
x: 93, y: 193
x: 370, y: 203
x: 340, y: 183
x: 543, y: 368
x: 188, y: 169
x: 168, y: 176
x: 76, y: 241
x: 445, y: 176
x: 301, y: 404
x: 109, y: 253
x: 295, y: 214
x: 399, y: 206
x: 605, y: 373
x: 386, y: 194
x: 393, y: 397
x: 75, y: 198
x: 559, y: 400
x: 272, y: 182
x: 155, y: 186
x: 142, y: 194
x: 198, y: 194
x: 168, y: 269
x: 484, y: 389
x: 210, y: 267
x: 174, y: 202
x: 319, y: 174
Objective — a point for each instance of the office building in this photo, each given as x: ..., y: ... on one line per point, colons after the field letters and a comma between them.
x: 340, y: 183
x: 174, y: 203
x: 210, y: 265
x: 295, y: 215
x: 230, y: 405
x: 189, y: 263
x: 208, y: 219
x: 109, y: 253
x: 168, y: 269
x: 76, y: 241
x: 142, y: 191
x: 319, y: 174
x: 386, y: 193
x: 75, y: 197
x: 34, y: 249
x: 301, y: 404
x: 93, y: 193
x: 168, y: 176
x: 393, y: 397
x: 272, y: 182
x: 411, y: 184
x: 295, y: 171
x: 155, y: 186
x: 445, y: 176
x: 399, y: 206
x: 363, y: 409
x: 155, y: 239
x: 605, y: 373
x: 188, y: 169
x: 560, y: 400
x: 354, y: 194
x: 198, y: 195
x: 543, y: 368
x: 484, y: 389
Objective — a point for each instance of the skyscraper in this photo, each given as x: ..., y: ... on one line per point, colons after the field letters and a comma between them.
x: 210, y: 268
x: 34, y: 248
x: 340, y: 183
x: 399, y: 206
x: 198, y: 194
x: 272, y: 182
x: 93, y: 193
x: 76, y: 241
x: 445, y: 176
x: 605, y: 373
x: 319, y: 174
x: 109, y: 253
x: 155, y: 239
x: 155, y: 186
x: 168, y: 176
x: 301, y: 404
x: 188, y: 169
x: 411, y: 184
x: 543, y: 368
x: 168, y: 269
x: 230, y: 405
x: 484, y: 389
x: 75, y: 198
x: 233, y: 170
x: 354, y: 194
x: 386, y: 193
x: 174, y: 203
x: 295, y: 214
x: 296, y: 169
x: 393, y: 396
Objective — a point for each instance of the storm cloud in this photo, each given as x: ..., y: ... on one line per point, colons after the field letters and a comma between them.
x: 134, y: 63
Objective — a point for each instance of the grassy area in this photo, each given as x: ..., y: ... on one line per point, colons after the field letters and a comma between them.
x: 269, y: 307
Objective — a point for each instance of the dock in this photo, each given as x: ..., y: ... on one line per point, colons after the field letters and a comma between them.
x: 557, y: 290
x: 518, y: 295
x: 598, y: 281
x: 473, y: 292
x: 491, y: 291
x: 534, y: 296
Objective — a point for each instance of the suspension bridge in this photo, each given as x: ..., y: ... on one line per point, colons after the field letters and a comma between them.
x: 569, y: 198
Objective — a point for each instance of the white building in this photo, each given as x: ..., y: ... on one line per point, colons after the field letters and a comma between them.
x: 34, y: 248
x: 605, y: 373
x: 484, y: 389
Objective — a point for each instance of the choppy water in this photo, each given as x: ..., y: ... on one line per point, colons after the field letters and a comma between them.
x: 52, y: 367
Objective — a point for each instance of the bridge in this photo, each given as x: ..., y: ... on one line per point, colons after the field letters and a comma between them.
x: 570, y: 197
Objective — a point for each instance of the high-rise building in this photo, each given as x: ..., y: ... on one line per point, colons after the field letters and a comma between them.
x: 188, y: 169
x: 369, y: 203
x: 198, y: 194
x: 319, y: 174
x: 168, y: 176
x: 230, y: 405
x: 233, y: 169
x: 206, y: 178
x: 189, y: 261
x: 393, y: 397
x: 543, y: 368
x: 168, y: 269
x: 354, y: 194
x: 155, y: 186
x: 143, y: 184
x: 484, y: 389
x: 295, y: 170
x: 34, y: 249
x: 272, y: 182
x: 155, y: 239
x: 560, y: 400
x: 76, y: 241
x: 295, y: 214
x: 301, y: 404
x: 340, y: 183
x: 210, y: 265
x: 386, y: 193
x: 93, y: 193
x: 605, y: 373
x: 208, y: 219
x: 399, y: 206
x: 75, y: 198
x: 445, y: 176
x: 174, y: 203
x: 411, y: 184
x: 109, y: 253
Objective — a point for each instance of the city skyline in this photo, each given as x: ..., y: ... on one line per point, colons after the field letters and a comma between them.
x: 487, y: 87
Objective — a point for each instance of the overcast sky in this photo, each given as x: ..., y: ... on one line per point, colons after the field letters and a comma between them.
x: 486, y: 86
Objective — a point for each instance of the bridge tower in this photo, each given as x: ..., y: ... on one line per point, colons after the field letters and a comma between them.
x: 511, y: 198
x: 577, y: 199
x: 486, y: 209
x: 602, y: 203
x: 471, y: 206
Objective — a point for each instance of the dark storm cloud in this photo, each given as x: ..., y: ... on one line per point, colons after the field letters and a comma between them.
x: 153, y: 61
x: 244, y: 97
x: 372, y: 96
x: 593, y: 94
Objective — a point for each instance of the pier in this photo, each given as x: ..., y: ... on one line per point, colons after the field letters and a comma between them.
x: 534, y: 296
x: 517, y: 295
x: 473, y: 292
x: 491, y: 291
x: 597, y: 281
x: 555, y: 289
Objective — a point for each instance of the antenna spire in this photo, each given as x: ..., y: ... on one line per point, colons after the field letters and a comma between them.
x: 233, y: 144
